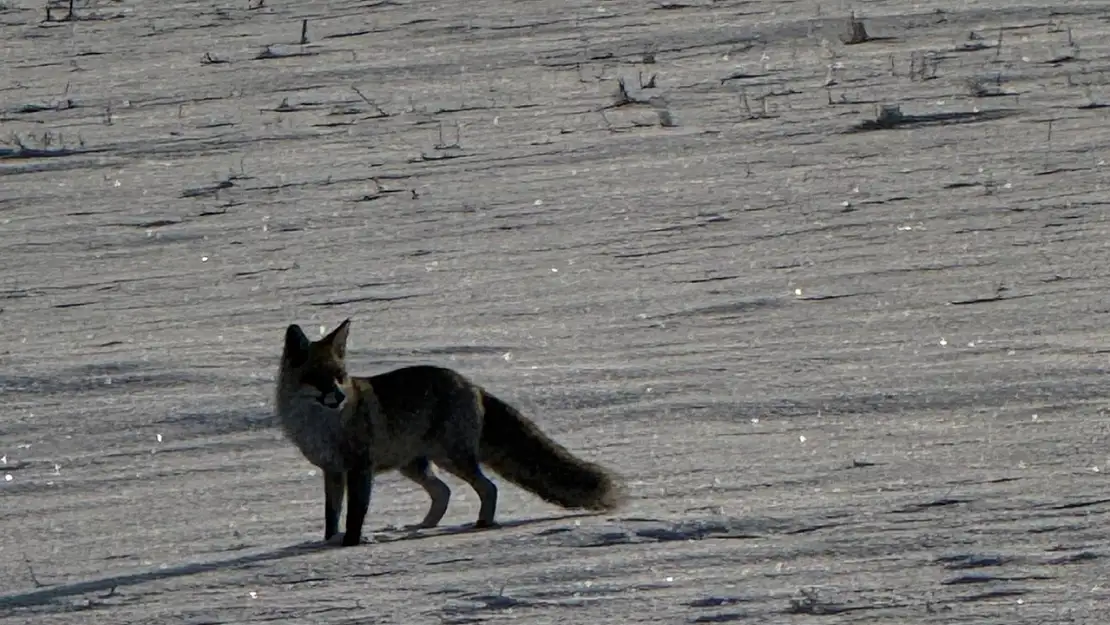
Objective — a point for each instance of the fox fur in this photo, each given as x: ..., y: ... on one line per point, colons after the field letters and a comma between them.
x: 410, y: 418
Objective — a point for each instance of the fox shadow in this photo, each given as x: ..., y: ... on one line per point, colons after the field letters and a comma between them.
x: 44, y: 596
x: 390, y: 535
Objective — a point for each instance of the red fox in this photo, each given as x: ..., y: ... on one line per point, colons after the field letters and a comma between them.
x: 407, y: 419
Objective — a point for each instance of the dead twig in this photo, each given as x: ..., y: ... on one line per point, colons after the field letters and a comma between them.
x: 211, y: 59
x: 31, y: 572
x: 443, y: 145
x: 380, y: 112
x: 624, y: 98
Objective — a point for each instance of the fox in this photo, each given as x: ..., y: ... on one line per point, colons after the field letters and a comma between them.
x: 412, y: 420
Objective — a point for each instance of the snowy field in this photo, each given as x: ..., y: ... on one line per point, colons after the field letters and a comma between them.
x: 837, y: 311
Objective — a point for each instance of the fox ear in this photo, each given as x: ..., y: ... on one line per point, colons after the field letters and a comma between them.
x: 337, y: 338
x: 296, y: 344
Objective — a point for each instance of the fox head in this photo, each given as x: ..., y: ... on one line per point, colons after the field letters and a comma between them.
x: 318, y: 367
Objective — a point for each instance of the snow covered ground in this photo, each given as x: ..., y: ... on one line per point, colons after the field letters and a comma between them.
x: 852, y: 371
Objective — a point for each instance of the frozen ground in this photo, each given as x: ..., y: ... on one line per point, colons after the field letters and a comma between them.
x: 852, y: 375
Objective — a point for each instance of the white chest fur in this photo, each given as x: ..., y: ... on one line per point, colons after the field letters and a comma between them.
x: 315, y: 429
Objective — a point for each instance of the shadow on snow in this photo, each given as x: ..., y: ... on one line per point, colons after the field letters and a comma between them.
x: 44, y: 596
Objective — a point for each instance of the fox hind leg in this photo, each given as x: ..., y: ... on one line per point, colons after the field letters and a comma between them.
x: 467, y: 469
x: 335, y: 486
x: 421, y: 472
x: 458, y: 453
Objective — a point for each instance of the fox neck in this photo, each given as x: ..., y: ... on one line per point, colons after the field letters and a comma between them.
x: 316, y: 430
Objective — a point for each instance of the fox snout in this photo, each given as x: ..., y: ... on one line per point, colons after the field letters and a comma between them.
x: 333, y: 398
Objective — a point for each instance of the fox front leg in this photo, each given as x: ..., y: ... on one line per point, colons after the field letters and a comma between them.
x: 359, y: 482
x: 335, y: 485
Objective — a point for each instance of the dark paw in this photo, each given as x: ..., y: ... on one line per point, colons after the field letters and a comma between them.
x: 481, y: 524
x: 341, y: 539
x: 351, y: 540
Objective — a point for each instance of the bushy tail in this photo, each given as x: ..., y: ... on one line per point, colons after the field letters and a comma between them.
x: 514, y: 447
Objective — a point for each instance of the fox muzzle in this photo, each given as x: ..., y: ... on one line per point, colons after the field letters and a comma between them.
x: 334, y: 398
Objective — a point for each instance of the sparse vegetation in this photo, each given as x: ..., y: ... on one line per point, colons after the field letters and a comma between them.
x: 980, y: 87
x: 624, y: 97
x: 974, y: 43
x: 61, y: 11
x: 273, y: 52
x: 211, y: 59
x: 856, y: 33
x: 48, y: 144
x: 378, y: 111
x: 924, y: 65
x: 688, y: 198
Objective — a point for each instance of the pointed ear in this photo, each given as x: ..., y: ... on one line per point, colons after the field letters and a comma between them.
x: 296, y: 344
x: 337, y: 338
